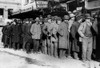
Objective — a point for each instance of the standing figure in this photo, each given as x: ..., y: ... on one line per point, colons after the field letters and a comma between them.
x: 44, y: 37
x: 95, y: 35
x: 6, y: 35
x: 36, y: 33
x: 15, y: 34
x: 71, y: 21
x: 75, y: 37
x: 63, y: 37
x: 54, y: 39
x: 49, y: 33
x: 26, y: 35
x: 86, y: 38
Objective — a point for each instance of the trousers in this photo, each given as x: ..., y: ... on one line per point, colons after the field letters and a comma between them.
x: 36, y: 44
x: 87, y: 48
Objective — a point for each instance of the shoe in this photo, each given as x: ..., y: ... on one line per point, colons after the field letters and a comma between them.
x: 69, y: 57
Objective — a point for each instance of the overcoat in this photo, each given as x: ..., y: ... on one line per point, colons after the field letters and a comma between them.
x: 4, y: 33
x: 75, y: 35
x: 95, y: 32
x: 26, y: 32
x: 63, y: 35
x: 16, y: 31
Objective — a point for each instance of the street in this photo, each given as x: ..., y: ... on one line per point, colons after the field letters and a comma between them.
x: 19, y: 59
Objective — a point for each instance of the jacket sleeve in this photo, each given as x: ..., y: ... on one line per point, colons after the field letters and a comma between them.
x: 95, y: 27
x: 40, y: 30
x: 44, y: 29
x: 73, y: 30
x: 60, y: 30
x: 80, y: 30
x: 32, y: 29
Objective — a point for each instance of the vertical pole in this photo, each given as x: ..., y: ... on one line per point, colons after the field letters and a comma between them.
x: 5, y: 13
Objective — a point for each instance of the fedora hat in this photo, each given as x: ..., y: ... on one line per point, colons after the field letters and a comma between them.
x: 37, y: 19
x: 79, y: 17
x: 59, y: 18
x: 66, y: 17
x: 87, y: 16
x: 49, y: 16
x: 72, y: 15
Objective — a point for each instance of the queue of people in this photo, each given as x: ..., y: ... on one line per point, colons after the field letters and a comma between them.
x: 70, y: 36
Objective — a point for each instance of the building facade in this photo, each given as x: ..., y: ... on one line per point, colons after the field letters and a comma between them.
x: 6, y: 5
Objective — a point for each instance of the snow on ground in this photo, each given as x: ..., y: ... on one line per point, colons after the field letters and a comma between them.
x: 10, y: 58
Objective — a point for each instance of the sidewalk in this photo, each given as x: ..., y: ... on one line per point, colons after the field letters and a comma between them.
x: 44, y: 61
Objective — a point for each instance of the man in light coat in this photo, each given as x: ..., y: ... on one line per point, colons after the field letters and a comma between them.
x: 86, y: 38
x: 36, y: 32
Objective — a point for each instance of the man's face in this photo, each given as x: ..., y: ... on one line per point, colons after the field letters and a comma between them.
x: 14, y: 23
x: 59, y: 21
x: 27, y: 22
x: 88, y: 20
x: 73, y: 18
x: 53, y: 21
x: 80, y: 20
x: 49, y: 21
x: 65, y: 20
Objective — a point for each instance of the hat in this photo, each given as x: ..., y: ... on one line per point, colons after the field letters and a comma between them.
x: 59, y: 18
x: 80, y: 17
x: 72, y: 15
x: 53, y: 18
x: 48, y: 16
x: 45, y: 19
x: 66, y: 17
x: 37, y: 19
x: 74, y: 11
x: 69, y: 12
x: 87, y: 16
x: 56, y: 17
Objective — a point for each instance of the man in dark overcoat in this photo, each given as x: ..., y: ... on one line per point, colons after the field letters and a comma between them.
x: 26, y: 35
x: 15, y: 34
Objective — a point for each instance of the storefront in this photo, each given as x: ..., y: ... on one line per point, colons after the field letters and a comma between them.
x: 30, y: 10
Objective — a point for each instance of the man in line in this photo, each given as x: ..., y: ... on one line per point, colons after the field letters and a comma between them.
x: 36, y: 32
x: 86, y: 38
x: 63, y: 37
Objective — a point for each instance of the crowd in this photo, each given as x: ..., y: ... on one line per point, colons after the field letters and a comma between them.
x: 69, y: 36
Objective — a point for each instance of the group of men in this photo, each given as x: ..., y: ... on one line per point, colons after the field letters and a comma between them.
x: 69, y: 36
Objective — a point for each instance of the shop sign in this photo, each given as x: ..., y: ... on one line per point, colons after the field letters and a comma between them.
x: 42, y: 4
x: 26, y: 10
x: 16, y: 12
x: 93, y: 4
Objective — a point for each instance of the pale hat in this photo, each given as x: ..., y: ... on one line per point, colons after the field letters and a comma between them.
x: 69, y: 12
x: 37, y: 19
x: 66, y: 17
x: 72, y: 15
